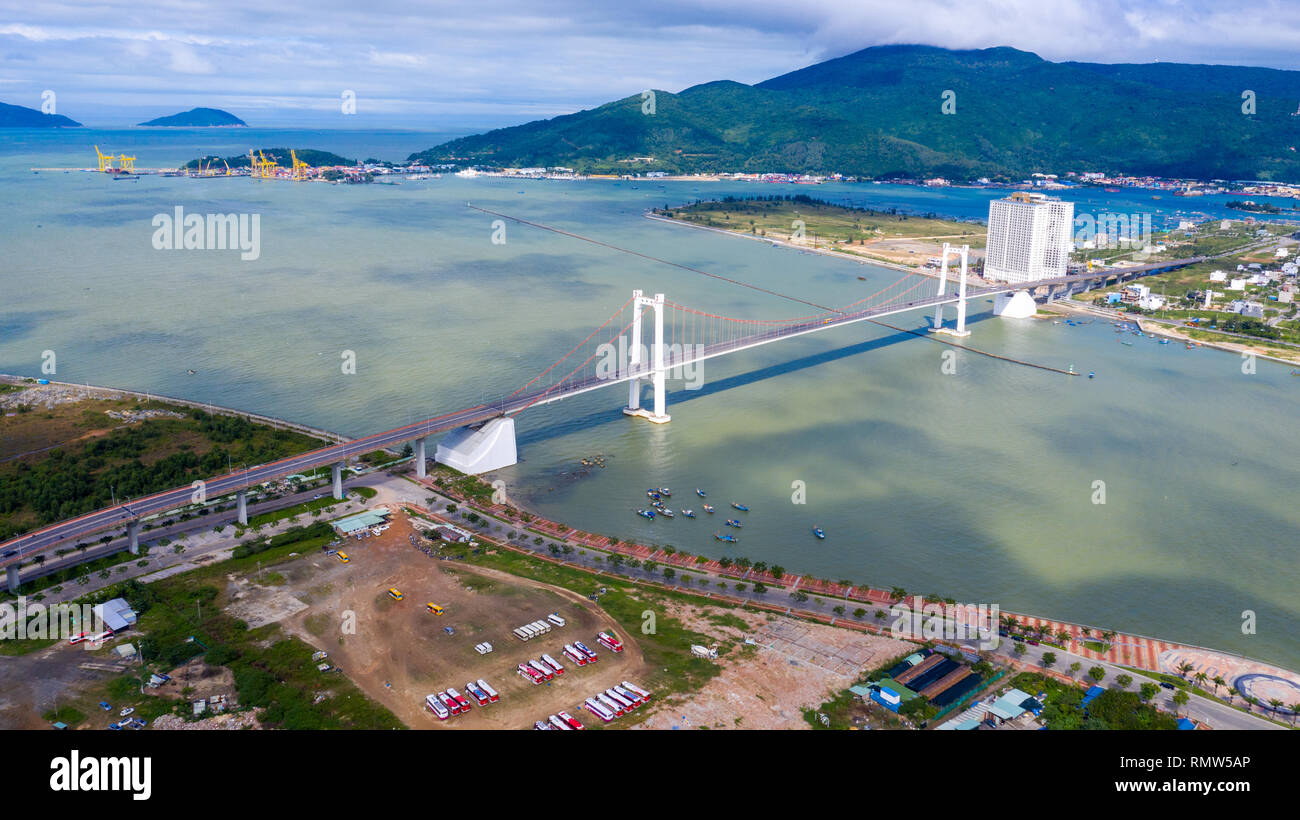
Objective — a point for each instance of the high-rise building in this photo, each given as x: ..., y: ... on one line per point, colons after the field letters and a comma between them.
x: 1030, y: 237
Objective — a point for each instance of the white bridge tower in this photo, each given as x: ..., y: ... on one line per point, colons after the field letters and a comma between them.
x: 960, y: 330
x: 637, y: 350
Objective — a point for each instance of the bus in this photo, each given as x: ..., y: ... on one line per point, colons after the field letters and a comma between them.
x: 342, y: 556
x: 574, y: 655
x: 613, y: 707
x: 449, y: 702
x: 491, y: 693
x: 529, y: 674
x: 636, y: 690
x: 435, y: 706
x: 582, y: 647
x: 433, y: 608
x: 542, y: 668
x: 394, y: 594
x: 558, y: 723
x: 477, y: 694
x: 553, y: 663
x: 555, y: 618
x: 626, y: 703
x: 609, y: 641
x: 459, y: 698
x: 542, y: 726
x: 636, y: 699
x: 568, y: 718
x: 599, y: 711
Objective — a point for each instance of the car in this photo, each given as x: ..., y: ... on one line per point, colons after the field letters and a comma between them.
x: 395, y: 594
x: 128, y: 710
x: 117, y: 727
x: 449, y: 630
x: 317, y: 496
x: 1166, y: 684
x: 342, y: 556
x: 106, y: 706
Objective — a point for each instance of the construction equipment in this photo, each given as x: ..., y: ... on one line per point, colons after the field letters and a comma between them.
x: 125, y: 163
x: 105, y: 160
x: 268, y: 166
x: 227, y: 164
x: 300, y: 168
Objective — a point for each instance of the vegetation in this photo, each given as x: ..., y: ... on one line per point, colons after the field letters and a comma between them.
x: 879, y: 113
x: 1112, y: 709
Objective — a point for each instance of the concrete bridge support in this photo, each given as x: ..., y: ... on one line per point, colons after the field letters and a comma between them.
x: 241, y: 498
x: 960, y: 330
x: 481, y: 449
x: 133, y: 534
x: 336, y: 472
x: 420, y: 470
x: 943, y: 282
x: 11, y: 576
x: 658, y: 375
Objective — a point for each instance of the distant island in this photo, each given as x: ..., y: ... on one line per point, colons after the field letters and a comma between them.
x: 918, y: 112
x: 198, y: 118
x: 1253, y: 207
x: 16, y: 116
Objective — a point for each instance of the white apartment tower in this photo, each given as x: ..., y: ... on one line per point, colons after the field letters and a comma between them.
x: 1030, y: 237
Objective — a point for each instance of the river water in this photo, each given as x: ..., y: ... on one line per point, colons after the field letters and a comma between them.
x: 977, y: 484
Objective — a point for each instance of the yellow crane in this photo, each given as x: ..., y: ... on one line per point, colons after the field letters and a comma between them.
x: 105, y: 160
x: 268, y: 166
x: 299, y: 167
x: 227, y: 164
x: 126, y: 163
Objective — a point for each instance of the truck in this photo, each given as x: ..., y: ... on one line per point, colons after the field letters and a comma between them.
x: 553, y: 663
x: 599, y: 710
x: 435, y: 706
x: 555, y: 618
x: 319, y: 655
x: 491, y: 693
x: 574, y: 655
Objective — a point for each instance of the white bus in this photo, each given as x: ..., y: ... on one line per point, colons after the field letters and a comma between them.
x: 553, y: 663
x: 491, y: 693
x: 555, y: 618
x: 604, y: 700
x: 599, y: 711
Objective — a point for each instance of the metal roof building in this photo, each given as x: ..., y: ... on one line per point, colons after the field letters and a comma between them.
x: 361, y: 521
x: 115, y: 614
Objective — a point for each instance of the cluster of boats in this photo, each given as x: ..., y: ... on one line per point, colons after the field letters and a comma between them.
x: 658, y: 507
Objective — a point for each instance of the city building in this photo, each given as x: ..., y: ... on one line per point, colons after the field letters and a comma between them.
x: 1029, y: 237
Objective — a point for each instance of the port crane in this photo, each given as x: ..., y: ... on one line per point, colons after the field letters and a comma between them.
x: 300, y: 168
x: 125, y: 163
x: 105, y: 160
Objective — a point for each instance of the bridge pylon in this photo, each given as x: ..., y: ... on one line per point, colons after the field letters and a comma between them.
x: 657, y: 375
x: 960, y: 329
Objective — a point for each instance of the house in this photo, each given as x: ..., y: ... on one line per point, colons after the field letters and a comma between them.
x: 1151, y: 302
x: 1218, y: 276
x: 116, y: 615
x: 1010, y: 706
x: 1132, y: 294
x: 453, y: 535
x: 1237, y: 284
x: 1285, y: 296
x: 1253, y: 310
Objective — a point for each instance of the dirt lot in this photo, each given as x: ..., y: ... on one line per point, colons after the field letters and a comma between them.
x: 397, y: 652
x: 792, y: 666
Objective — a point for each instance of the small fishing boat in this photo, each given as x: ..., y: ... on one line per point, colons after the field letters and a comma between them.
x: 652, y: 494
x: 1164, y: 341
x: 740, y: 507
x: 1092, y: 374
x: 1127, y: 344
x: 665, y: 512
x: 699, y: 492
x: 665, y: 492
x: 731, y: 522
x: 649, y: 514
x: 688, y: 513
x: 708, y: 508
x: 730, y: 539
x: 819, y: 532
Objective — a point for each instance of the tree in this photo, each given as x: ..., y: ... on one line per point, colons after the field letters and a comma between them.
x: 859, y: 613
x: 778, y: 572
x: 1180, y: 699
x: 1074, y: 668
x: 1218, y: 681
x: 1048, y: 660
x: 1200, y: 678
x: 1184, y: 668
x: 1019, y: 648
x: 669, y: 573
x: 1147, y: 691
x: 1097, y: 673
x: 1123, y: 680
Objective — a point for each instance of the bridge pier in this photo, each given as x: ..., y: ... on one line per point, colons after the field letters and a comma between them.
x: 481, y: 449
x: 420, y: 470
x: 241, y: 498
x: 336, y: 473
x: 658, y: 375
x: 11, y: 575
x: 960, y: 330
x: 133, y: 534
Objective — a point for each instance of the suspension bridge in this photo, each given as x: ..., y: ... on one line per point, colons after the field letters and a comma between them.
x: 482, y: 438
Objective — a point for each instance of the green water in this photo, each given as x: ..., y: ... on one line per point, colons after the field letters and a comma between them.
x: 977, y: 484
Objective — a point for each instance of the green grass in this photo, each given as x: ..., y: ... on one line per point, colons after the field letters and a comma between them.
x: 305, y: 508
x: 67, y: 714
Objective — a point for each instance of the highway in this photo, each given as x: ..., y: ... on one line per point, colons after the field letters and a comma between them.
x: 21, y: 549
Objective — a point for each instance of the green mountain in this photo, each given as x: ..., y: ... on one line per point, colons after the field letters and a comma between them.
x: 282, y: 157
x: 878, y: 113
x: 197, y: 118
x: 16, y: 116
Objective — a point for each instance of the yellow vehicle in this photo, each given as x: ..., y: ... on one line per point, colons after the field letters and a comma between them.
x: 343, y: 557
x: 434, y: 608
x: 396, y: 596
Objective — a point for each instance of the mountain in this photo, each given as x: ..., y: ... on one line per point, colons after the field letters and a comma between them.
x: 16, y: 116
x: 197, y: 118
x: 877, y: 113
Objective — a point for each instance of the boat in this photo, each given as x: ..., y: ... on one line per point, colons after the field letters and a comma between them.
x: 730, y: 539
x: 731, y: 522
x: 667, y: 493
x: 740, y: 507
x: 688, y: 513
x: 819, y: 532
x: 652, y: 494
x: 665, y: 512
x: 646, y: 514
x: 1129, y: 344
x: 708, y: 508
x: 1092, y: 374
x: 699, y: 492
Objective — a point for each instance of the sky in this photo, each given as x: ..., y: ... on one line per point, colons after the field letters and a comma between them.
x: 434, y: 65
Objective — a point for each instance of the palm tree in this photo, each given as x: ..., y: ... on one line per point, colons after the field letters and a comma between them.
x: 1201, y: 678
x: 1218, y: 681
x: 1295, y: 710
x: 1276, y: 703
x: 1063, y: 637
x: 1184, y: 668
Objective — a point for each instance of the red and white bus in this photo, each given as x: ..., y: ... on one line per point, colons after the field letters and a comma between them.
x: 582, y: 647
x: 568, y: 718
x: 636, y: 690
x: 459, y: 698
x: 543, y: 669
x: 574, y: 655
x: 529, y: 674
x: 542, y: 726
x: 604, y: 700
x: 477, y: 694
x: 553, y: 663
x: 599, y: 711
x: 628, y: 694
x: 491, y: 693
x: 559, y: 724
x: 447, y: 700
x: 436, y: 707
x: 627, y: 703
x: 611, y: 643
